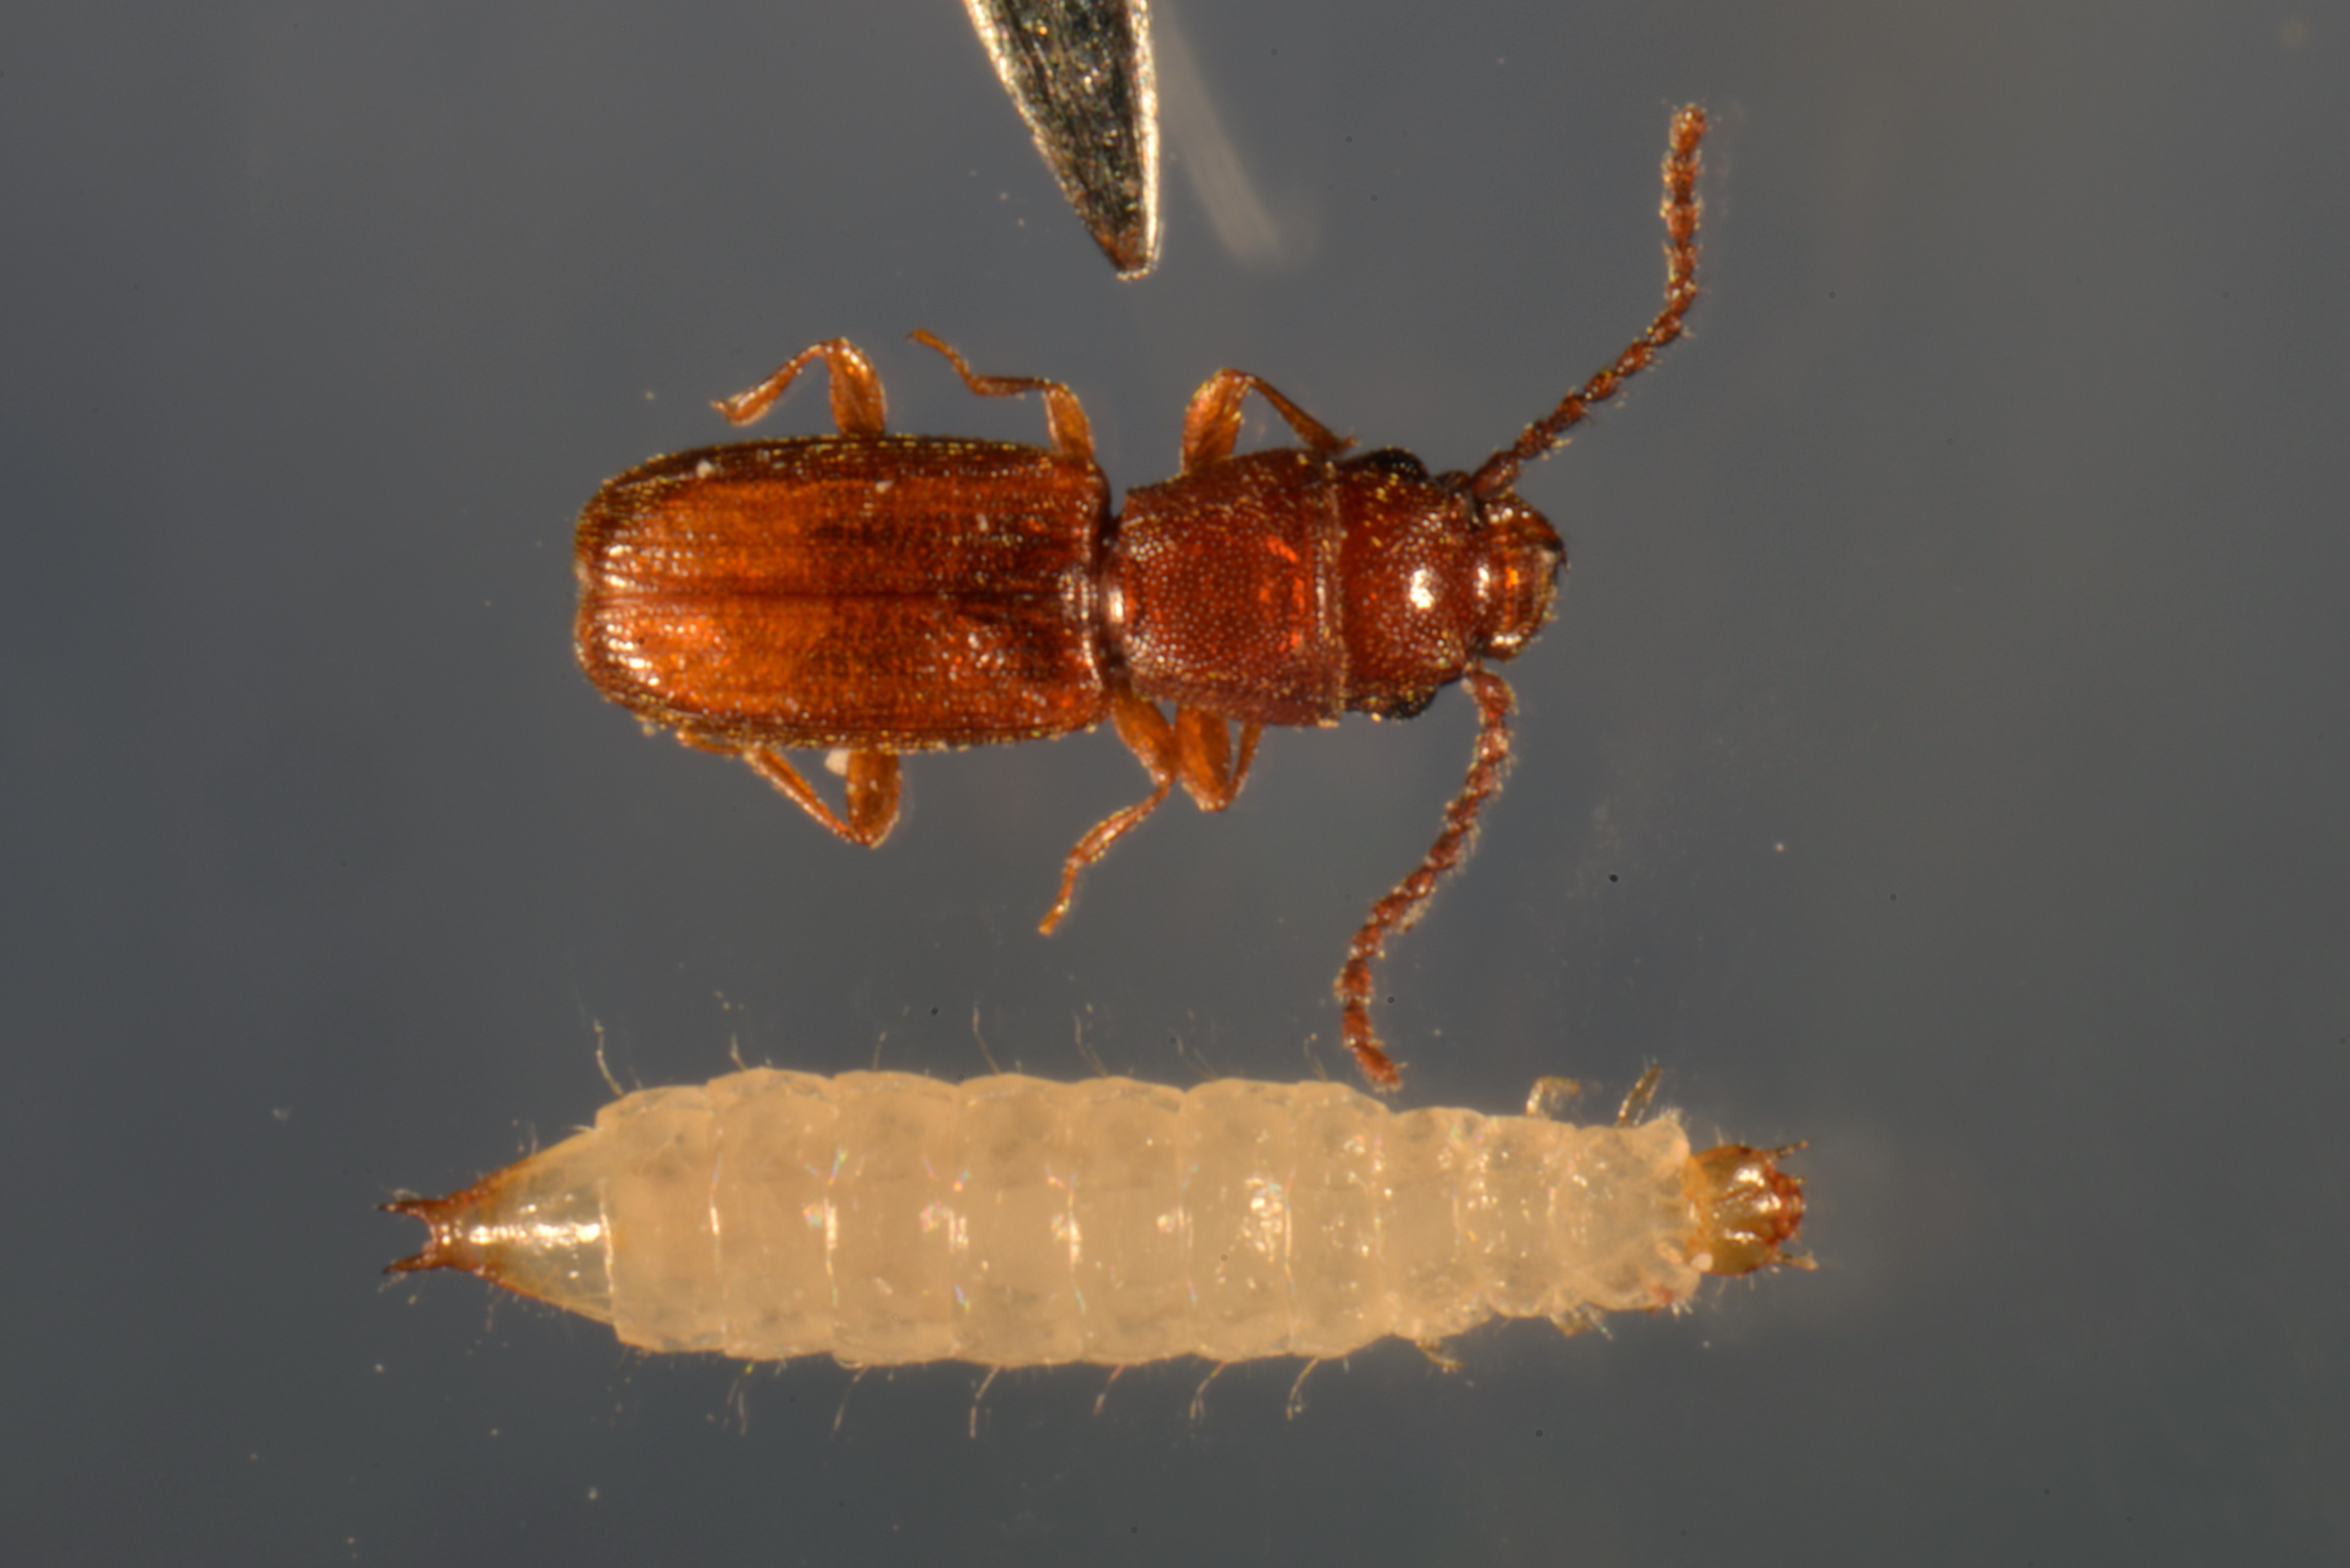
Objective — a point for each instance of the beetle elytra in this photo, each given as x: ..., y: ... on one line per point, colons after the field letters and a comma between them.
x: 881, y: 594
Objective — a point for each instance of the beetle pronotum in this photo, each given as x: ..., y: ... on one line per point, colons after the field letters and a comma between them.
x: 886, y: 1218
x: 878, y: 594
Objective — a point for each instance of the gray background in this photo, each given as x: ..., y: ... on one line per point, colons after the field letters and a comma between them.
x: 1939, y: 755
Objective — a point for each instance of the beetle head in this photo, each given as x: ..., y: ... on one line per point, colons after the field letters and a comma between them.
x: 1744, y: 1207
x: 1519, y: 557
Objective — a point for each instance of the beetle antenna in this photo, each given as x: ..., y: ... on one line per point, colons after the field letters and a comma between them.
x: 1680, y: 212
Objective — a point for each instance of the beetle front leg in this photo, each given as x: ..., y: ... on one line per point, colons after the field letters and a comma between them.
x: 857, y: 406
x: 1203, y: 752
x: 1212, y: 422
x: 1403, y: 905
x: 872, y: 793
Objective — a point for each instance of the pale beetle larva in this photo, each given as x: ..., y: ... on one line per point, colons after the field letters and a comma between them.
x: 886, y: 1218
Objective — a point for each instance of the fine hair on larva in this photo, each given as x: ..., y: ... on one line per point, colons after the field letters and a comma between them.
x: 885, y: 1219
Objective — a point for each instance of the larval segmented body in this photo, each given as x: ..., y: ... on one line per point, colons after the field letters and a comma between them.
x: 885, y: 1218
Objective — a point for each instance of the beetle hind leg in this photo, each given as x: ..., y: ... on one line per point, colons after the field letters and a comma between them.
x: 872, y: 798
x: 1404, y: 903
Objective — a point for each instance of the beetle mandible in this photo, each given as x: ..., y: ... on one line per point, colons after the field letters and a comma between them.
x: 880, y: 593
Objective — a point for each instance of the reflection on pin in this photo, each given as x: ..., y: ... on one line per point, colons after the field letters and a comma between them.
x: 1212, y: 163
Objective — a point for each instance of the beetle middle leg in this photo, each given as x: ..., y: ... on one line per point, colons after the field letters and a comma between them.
x: 872, y: 792
x: 1071, y: 433
x: 1196, y: 748
x: 1404, y: 903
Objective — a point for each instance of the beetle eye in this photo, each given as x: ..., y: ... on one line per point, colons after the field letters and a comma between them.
x: 1392, y: 459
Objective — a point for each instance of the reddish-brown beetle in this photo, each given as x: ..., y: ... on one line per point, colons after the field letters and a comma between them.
x: 881, y: 594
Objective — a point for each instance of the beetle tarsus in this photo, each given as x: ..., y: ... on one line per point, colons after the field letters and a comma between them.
x: 1094, y: 845
x: 858, y: 405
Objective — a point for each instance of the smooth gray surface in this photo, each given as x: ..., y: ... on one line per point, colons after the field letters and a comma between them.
x: 1941, y: 756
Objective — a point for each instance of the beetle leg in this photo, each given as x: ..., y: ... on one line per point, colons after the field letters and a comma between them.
x: 1641, y: 1096
x: 1071, y: 433
x: 1548, y: 1099
x: 857, y: 406
x: 1403, y: 905
x: 1155, y: 744
x: 872, y: 792
x: 1213, y: 423
x: 1203, y: 752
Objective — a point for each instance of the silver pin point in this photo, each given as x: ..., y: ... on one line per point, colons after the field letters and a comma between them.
x: 1080, y: 72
